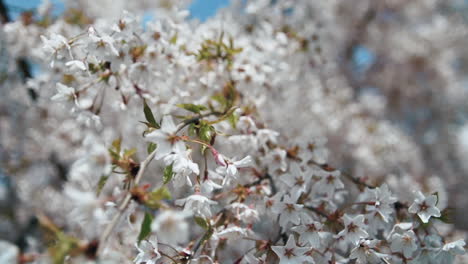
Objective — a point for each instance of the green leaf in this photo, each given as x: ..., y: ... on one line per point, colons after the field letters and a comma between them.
x: 167, y: 176
x: 145, y: 227
x: 202, y: 222
x: 206, y: 132
x: 160, y: 194
x: 101, y: 184
x: 149, y: 116
x: 192, y: 130
x: 193, y: 107
x: 151, y: 147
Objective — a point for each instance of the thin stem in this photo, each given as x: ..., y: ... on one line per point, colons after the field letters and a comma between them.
x: 105, y: 235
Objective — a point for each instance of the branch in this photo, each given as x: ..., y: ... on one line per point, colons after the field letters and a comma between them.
x: 105, y: 235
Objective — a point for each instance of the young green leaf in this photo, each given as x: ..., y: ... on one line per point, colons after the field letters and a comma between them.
x: 167, y: 176
x: 145, y: 227
x: 202, y: 222
x: 149, y: 115
x: 101, y: 184
x: 151, y: 147
x: 193, y: 107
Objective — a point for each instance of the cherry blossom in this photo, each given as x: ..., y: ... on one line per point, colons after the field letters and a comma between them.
x: 147, y: 252
x: 424, y: 206
x: 165, y: 138
x: 291, y: 253
x: 197, y: 204
x: 405, y: 243
x: 354, y: 229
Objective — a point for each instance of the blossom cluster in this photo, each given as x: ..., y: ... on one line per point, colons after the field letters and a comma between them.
x: 184, y: 142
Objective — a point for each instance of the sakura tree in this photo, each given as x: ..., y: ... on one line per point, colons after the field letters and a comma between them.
x: 257, y: 136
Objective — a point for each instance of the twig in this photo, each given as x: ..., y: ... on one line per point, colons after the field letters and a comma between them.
x: 105, y: 235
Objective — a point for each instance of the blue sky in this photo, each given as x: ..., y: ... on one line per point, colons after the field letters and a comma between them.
x: 201, y: 9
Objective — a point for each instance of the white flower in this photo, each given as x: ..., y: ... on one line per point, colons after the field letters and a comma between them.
x: 265, y: 136
x: 288, y: 209
x: 232, y: 232
x: 64, y: 93
x: 296, y: 178
x: 329, y: 182
x: 424, y: 206
x: 268, y: 203
x: 309, y: 232
x: 365, y: 253
x: 102, y: 44
x: 171, y: 227
x: 55, y: 46
x: 197, y: 204
x: 354, y: 229
x: 380, y: 201
x: 405, y: 243
x: 147, y: 252
x: 276, y: 160
x: 182, y: 165
x: 247, y: 214
x: 76, y: 65
x: 230, y: 170
x: 455, y: 247
x: 291, y: 253
x: 165, y: 138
